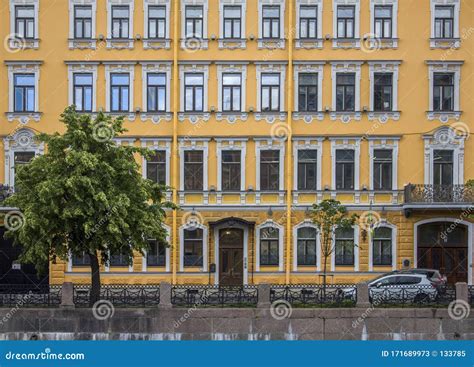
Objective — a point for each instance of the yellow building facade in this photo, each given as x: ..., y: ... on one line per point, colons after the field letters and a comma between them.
x: 257, y: 110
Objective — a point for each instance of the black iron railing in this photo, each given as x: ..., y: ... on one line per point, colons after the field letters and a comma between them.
x: 412, y: 296
x: 209, y: 295
x: 470, y: 291
x: 30, y: 295
x: 428, y: 194
x: 334, y: 295
x: 121, y: 295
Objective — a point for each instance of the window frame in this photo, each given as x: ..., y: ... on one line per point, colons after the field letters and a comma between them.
x: 345, y: 165
x: 157, y: 88
x: 393, y: 264
x: 299, y: 239
x: 121, y: 88
x: 159, y: 165
x: 345, y: 88
x: 26, y: 21
x: 440, y: 167
x: 269, y: 167
x: 345, y: 240
x: 157, y: 20
x: 233, y: 166
x: 303, y: 186
x: 443, y: 21
x: 273, y: 21
x: 25, y: 96
x: 271, y: 88
x: 383, y: 21
x: 232, y: 90
x: 381, y: 94
x: 306, y: 86
x: 307, y: 144
x: 441, y: 88
x: 380, y: 243
x: 233, y: 21
x: 83, y: 87
x: 268, y: 144
x: 345, y: 22
x: 454, y: 41
x: 345, y: 144
x: 83, y: 21
x: 194, y: 88
x: 193, y: 167
x: 259, y: 228
x: 231, y: 144
x: 193, y: 226
x: 194, y: 20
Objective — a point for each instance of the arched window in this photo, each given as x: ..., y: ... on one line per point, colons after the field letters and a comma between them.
x: 382, y: 246
x: 306, y: 246
x: 269, y: 246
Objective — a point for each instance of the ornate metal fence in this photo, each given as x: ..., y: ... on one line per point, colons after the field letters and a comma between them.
x: 412, y: 296
x: 334, y: 295
x: 209, y: 295
x: 120, y: 295
x: 30, y: 296
x: 439, y: 194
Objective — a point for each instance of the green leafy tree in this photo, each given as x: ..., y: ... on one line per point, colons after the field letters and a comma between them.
x: 327, y: 216
x: 86, y: 196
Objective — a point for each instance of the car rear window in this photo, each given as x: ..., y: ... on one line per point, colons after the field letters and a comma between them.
x: 408, y: 279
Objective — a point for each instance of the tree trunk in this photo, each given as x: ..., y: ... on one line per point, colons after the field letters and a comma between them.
x: 324, y: 277
x: 95, y: 279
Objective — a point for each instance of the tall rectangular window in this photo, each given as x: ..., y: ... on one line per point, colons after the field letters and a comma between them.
x: 307, y: 169
x: 193, y: 170
x: 156, y: 22
x: 156, y: 254
x: 308, y: 92
x: 193, y: 246
x: 443, y: 92
x: 119, y: 92
x: 82, y: 22
x: 269, y: 170
x: 383, y: 21
x: 194, y: 21
x: 231, y: 170
x: 444, y: 22
x: 83, y: 92
x: 156, y: 167
x: 345, y: 169
x: 194, y: 92
x: 271, y: 22
x: 443, y: 168
x: 308, y: 22
x: 21, y: 159
x: 382, y: 169
x: 344, y: 247
x: 25, y: 21
x: 24, y: 92
x: 345, y: 92
x: 120, y: 21
x: 383, y: 91
x: 269, y: 246
x: 306, y: 246
x: 232, y: 21
x: 156, y: 92
x: 231, y: 92
x: 382, y: 246
x: 345, y: 21
x: 270, y: 93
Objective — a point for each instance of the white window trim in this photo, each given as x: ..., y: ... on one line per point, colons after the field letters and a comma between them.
x: 155, y: 44
x: 303, y: 224
x: 345, y: 143
x: 444, y: 67
x: 343, y: 42
x: 114, y: 43
x: 386, y: 144
x: 384, y: 223
x: 120, y: 67
x: 230, y: 144
x: 269, y: 144
x: 307, y: 144
x: 194, y: 67
x: 14, y: 42
x: 346, y: 67
x: 303, y: 67
x: 81, y: 44
x: 445, y: 138
x: 309, y: 44
x: 192, y: 144
x: 192, y: 226
x: 384, y: 67
x: 277, y: 68
x: 158, y: 144
x: 167, y: 253
x: 269, y: 224
x: 384, y: 42
x: 236, y: 68
x: 156, y: 67
x: 271, y: 43
x: 236, y: 43
x: 192, y: 43
x: 445, y: 43
x: 82, y: 67
x: 356, y: 250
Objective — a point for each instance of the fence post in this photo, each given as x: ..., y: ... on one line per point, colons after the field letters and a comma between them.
x: 363, y: 295
x: 462, y: 293
x: 263, y: 296
x: 67, y: 295
x: 165, y: 295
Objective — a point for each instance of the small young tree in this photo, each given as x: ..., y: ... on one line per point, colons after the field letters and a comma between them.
x: 327, y: 216
x: 86, y: 196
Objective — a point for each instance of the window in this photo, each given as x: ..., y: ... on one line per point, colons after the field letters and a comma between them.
x: 232, y: 22
x: 269, y: 246
x: 24, y: 92
x: 308, y: 92
x: 231, y: 92
x: 119, y: 260
x: 345, y: 92
x: 156, y: 254
x: 307, y: 169
x: 120, y: 22
x: 82, y: 97
x: 156, y: 92
x: 382, y: 246
x: 81, y: 260
x: 443, y: 167
x: 383, y: 91
x: 443, y: 92
x: 25, y: 22
x: 307, y: 246
x: 269, y: 170
x: 382, y: 169
x: 344, y: 247
x: 82, y: 22
x: 21, y: 159
x: 308, y: 22
x: 194, y: 21
x: 194, y: 92
x: 157, y: 22
x: 270, y: 92
x: 120, y: 92
x: 383, y: 21
x: 156, y: 167
x: 444, y: 22
x: 193, y: 247
x: 345, y: 21
x: 271, y: 22
x: 231, y: 170
x: 345, y: 169
x: 193, y: 170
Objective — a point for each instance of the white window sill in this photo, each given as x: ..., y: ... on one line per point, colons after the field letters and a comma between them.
x: 231, y: 117
x: 82, y: 43
x: 156, y: 117
x: 120, y: 43
x: 345, y: 116
x: 443, y: 116
x: 445, y: 43
x: 23, y: 117
x: 232, y: 43
x: 271, y: 43
x: 309, y: 43
x: 156, y: 43
x: 194, y: 44
x: 381, y: 43
x: 270, y: 117
x: 346, y: 43
x: 383, y: 116
x: 308, y: 117
x: 18, y: 44
x: 194, y: 117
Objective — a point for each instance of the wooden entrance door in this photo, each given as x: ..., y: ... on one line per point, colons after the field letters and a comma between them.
x: 231, y: 256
